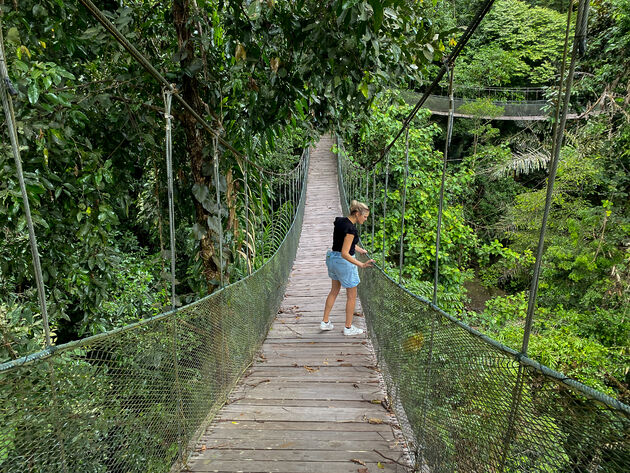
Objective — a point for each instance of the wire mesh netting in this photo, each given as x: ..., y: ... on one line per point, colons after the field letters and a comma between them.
x: 136, y: 399
x: 468, y: 404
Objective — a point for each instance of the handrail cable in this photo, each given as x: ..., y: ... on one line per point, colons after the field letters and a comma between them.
x: 7, y: 104
x: 481, y: 13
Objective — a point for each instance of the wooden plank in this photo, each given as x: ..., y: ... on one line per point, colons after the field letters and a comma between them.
x: 353, y: 403
x: 216, y: 436
x: 278, y: 455
x: 290, y: 426
x: 292, y: 467
x: 236, y: 412
x: 296, y: 443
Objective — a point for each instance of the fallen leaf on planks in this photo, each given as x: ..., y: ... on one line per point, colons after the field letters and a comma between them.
x: 310, y: 370
x: 356, y: 460
x: 375, y: 420
x: 363, y: 470
x: 380, y: 465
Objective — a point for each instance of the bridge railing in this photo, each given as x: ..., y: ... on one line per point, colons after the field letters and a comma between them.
x: 468, y: 404
x: 136, y: 399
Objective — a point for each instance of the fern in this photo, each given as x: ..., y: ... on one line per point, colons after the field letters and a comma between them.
x: 522, y: 162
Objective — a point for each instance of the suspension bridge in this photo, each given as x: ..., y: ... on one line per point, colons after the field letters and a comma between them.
x: 311, y: 401
x: 515, y: 104
x: 243, y: 380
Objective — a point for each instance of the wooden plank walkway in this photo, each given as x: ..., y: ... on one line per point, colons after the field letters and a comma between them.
x: 311, y: 402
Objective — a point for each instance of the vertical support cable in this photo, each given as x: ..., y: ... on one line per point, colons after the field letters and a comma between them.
x: 262, y: 219
x: 404, y: 203
x: 294, y: 174
x: 385, y: 206
x: 373, y: 204
x: 558, y: 139
x: 215, y: 144
x: 247, y: 250
x: 7, y: 104
x: 168, y: 98
x: 447, y: 144
x: 449, y: 130
x: 558, y: 136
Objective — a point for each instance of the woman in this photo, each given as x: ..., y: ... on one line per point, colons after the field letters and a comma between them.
x: 342, y: 266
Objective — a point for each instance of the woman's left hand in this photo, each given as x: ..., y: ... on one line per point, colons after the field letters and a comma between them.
x: 361, y: 250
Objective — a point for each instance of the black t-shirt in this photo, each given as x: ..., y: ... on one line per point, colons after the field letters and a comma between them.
x: 343, y: 226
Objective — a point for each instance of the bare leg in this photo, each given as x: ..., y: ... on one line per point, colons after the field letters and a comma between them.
x: 330, y: 300
x: 351, y: 293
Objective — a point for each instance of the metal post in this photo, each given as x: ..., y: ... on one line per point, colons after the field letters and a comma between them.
x: 7, y: 104
x: 429, y: 364
x: 404, y: 202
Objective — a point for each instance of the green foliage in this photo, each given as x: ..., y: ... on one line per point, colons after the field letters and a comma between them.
x: 423, y: 181
x: 516, y: 45
x: 89, y: 122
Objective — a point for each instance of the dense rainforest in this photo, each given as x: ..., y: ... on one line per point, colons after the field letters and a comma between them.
x: 270, y: 77
x: 495, y: 192
x: 267, y: 76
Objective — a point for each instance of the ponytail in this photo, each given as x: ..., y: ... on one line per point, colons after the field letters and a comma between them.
x: 358, y: 207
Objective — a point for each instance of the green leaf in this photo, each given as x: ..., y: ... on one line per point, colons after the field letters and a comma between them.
x: 363, y: 87
x: 378, y: 14
x: 13, y: 36
x: 33, y: 93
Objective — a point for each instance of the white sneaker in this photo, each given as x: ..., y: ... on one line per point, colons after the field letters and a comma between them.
x: 349, y: 332
x: 326, y: 325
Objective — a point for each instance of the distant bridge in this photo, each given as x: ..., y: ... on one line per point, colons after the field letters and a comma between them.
x: 526, y: 104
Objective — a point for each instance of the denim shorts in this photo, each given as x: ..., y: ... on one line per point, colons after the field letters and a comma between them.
x: 342, y: 270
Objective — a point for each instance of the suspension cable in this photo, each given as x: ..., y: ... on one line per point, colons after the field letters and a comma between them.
x: 168, y: 99
x: 404, y: 203
x: 481, y: 13
x: 449, y: 132
x: 247, y: 249
x: 215, y: 145
x: 372, y: 207
x: 385, y: 204
x: 553, y: 169
x: 7, y: 104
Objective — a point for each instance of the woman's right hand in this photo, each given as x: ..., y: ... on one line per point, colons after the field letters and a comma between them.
x: 367, y: 264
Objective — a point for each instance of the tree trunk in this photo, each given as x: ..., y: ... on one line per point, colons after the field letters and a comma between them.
x: 195, y: 140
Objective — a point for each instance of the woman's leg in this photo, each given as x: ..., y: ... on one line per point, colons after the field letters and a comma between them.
x: 350, y: 303
x: 330, y: 300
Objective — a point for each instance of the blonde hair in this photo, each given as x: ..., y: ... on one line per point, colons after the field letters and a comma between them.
x: 359, y: 207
